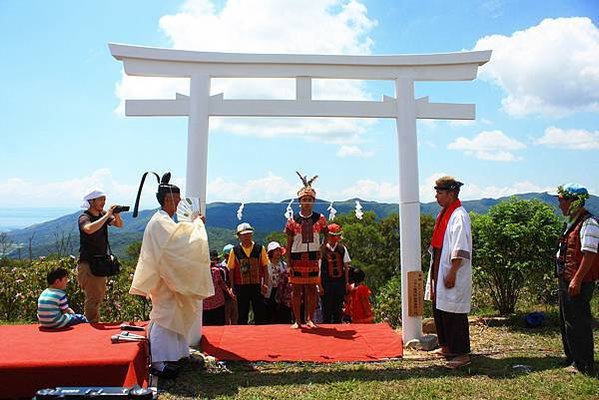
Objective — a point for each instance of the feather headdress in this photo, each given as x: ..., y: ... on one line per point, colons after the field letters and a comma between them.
x: 307, y: 189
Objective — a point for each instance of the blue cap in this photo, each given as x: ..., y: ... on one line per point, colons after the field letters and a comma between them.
x: 227, y: 249
x: 575, y: 190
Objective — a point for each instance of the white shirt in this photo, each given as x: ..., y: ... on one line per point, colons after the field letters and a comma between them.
x: 589, y: 236
x: 274, y: 274
x: 457, y: 243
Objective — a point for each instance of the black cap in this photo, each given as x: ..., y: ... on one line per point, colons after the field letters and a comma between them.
x: 455, y: 185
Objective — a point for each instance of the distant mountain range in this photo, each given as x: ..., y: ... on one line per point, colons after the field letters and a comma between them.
x: 61, y: 234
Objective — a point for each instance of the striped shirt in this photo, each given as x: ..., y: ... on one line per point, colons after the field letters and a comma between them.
x: 589, y: 235
x: 50, y: 306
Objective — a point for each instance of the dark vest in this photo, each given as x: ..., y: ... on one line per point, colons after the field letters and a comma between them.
x: 332, y: 267
x: 248, y: 268
x: 570, y: 253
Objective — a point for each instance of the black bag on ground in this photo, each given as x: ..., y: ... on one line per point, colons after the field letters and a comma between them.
x: 105, y: 265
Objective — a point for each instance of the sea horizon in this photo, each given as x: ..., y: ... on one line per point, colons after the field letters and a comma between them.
x: 13, y: 218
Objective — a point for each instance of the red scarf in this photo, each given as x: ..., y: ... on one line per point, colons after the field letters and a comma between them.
x: 441, y: 224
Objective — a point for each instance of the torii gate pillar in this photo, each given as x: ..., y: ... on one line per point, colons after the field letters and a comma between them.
x: 409, y: 202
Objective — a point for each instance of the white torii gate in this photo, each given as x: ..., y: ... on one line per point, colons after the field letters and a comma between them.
x: 201, y: 67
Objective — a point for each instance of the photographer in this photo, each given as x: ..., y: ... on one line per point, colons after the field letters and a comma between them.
x: 93, y: 236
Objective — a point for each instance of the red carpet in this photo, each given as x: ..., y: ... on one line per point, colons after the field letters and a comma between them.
x: 78, y: 356
x: 327, y: 343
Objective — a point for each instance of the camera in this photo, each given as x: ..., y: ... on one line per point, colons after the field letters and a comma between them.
x: 119, y: 209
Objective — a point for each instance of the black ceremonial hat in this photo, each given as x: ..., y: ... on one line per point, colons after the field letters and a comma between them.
x: 164, y: 187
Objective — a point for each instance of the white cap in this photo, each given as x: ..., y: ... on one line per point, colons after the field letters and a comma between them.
x: 244, y: 227
x: 93, y: 193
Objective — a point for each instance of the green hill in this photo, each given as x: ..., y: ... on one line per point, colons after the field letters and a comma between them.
x: 62, y: 236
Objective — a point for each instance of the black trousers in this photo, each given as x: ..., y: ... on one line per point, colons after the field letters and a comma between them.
x: 332, y: 301
x: 215, y: 316
x: 247, y: 294
x: 576, y: 325
x: 452, y: 331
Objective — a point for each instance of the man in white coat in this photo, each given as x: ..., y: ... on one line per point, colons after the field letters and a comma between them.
x: 449, y: 283
x: 174, y: 272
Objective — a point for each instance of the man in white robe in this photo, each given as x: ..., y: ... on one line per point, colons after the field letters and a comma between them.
x: 174, y: 272
x: 449, y: 284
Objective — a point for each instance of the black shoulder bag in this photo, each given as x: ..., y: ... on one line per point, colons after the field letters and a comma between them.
x: 105, y: 264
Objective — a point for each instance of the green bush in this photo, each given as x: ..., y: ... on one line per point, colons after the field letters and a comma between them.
x: 23, y: 281
x: 387, y: 302
x: 514, y: 252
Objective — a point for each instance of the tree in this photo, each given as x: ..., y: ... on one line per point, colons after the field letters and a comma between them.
x: 133, y: 251
x: 6, y: 245
x: 63, y: 242
x: 514, y: 249
x: 279, y: 237
x: 30, y: 246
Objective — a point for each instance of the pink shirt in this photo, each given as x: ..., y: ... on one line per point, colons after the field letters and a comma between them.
x: 218, y: 300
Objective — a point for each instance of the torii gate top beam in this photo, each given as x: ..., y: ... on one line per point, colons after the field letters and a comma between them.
x: 157, y: 62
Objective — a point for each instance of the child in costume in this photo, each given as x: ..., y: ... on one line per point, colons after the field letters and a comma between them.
x: 304, y: 250
x: 358, y: 305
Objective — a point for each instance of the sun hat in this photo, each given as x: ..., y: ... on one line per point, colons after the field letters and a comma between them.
x: 275, y: 245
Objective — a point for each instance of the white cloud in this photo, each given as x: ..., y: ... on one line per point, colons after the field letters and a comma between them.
x: 475, y: 192
x: 572, y: 139
x: 267, y: 26
x: 389, y: 192
x: 70, y: 192
x: 489, y: 145
x: 353, y: 151
x: 471, y: 191
x: 368, y: 189
x: 63, y: 194
x: 268, y: 188
x: 427, y: 188
x: 549, y: 69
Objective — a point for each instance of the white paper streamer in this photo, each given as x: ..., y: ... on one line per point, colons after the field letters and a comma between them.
x: 359, y: 213
x: 332, y: 212
x: 289, y: 211
x: 240, y: 211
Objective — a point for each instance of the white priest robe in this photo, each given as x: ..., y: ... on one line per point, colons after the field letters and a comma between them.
x: 457, y: 243
x: 174, y: 271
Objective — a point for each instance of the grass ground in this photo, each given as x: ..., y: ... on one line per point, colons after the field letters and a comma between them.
x: 493, y: 374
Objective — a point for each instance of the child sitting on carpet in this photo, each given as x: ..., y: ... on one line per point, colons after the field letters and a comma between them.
x: 357, y: 305
x: 52, y: 306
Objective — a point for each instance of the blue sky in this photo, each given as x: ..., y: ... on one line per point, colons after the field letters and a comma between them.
x: 63, y: 130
